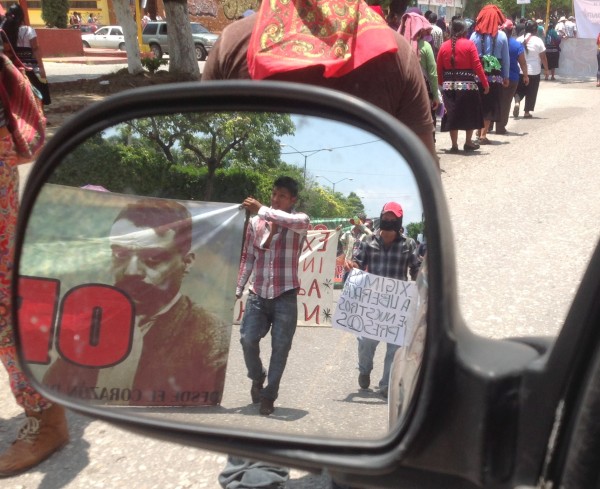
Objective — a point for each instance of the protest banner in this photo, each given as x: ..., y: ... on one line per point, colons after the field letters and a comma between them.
x: 316, y: 273
x: 587, y: 15
x: 377, y: 307
x: 139, y: 311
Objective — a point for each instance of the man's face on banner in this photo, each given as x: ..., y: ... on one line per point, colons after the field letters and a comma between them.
x: 147, y: 266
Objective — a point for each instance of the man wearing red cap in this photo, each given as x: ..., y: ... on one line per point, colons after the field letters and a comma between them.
x: 386, y: 253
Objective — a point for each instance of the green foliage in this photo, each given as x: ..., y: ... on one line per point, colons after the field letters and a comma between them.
x: 55, y: 13
x: 151, y: 62
x: 212, y: 157
x: 414, y: 229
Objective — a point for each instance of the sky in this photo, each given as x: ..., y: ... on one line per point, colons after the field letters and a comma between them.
x: 357, y: 162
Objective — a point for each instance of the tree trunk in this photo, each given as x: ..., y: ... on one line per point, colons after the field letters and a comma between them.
x: 182, y: 53
x: 126, y: 21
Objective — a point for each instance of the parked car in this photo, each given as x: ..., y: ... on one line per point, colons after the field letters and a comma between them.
x: 465, y: 411
x: 109, y: 36
x: 155, y: 36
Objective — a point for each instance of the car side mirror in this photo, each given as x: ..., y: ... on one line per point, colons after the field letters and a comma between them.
x: 83, y: 325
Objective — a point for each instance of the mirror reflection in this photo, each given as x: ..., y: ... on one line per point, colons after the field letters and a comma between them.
x: 161, y: 249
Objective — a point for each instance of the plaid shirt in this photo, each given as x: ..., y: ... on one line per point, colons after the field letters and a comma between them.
x: 371, y: 255
x: 276, y: 267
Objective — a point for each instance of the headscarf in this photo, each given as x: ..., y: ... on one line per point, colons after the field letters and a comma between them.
x: 339, y: 35
x: 412, y: 27
x: 488, y: 20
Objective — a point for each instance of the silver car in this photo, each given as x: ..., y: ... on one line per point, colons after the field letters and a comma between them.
x: 155, y: 36
x: 109, y: 36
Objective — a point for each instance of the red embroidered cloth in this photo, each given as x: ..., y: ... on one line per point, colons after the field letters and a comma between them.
x: 339, y: 35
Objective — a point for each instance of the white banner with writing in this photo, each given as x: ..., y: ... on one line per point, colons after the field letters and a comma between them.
x: 316, y: 273
x: 587, y: 15
x: 376, y: 307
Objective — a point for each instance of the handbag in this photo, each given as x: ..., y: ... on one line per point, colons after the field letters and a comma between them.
x: 23, y: 111
x: 41, y: 86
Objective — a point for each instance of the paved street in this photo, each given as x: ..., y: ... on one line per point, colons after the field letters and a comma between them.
x: 525, y: 214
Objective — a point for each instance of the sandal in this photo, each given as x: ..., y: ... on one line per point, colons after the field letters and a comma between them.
x: 453, y: 149
x: 527, y: 116
x: 484, y: 140
x: 470, y: 147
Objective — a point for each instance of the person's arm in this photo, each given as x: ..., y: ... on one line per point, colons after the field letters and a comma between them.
x: 544, y: 61
x: 431, y: 70
x: 523, y: 65
x: 360, y: 258
x: 297, y: 222
x: 246, y: 262
x: 505, y: 58
x: 440, y: 66
x: 35, y: 48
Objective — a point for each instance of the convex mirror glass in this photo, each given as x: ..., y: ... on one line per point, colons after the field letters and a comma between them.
x: 131, y: 256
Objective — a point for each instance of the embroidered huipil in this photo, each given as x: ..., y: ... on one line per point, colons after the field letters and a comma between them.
x: 275, y: 263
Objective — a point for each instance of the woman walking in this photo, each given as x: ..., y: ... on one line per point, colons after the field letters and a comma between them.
x: 535, y: 56
x: 44, y: 430
x: 415, y: 27
x: 552, y: 50
x: 458, y: 68
x: 24, y: 41
x: 492, y: 47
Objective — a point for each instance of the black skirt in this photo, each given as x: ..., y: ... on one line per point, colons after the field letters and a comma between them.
x: 461, y: 101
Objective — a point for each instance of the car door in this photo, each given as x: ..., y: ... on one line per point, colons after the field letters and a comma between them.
x: 465, y: 411
x: 102, y: 38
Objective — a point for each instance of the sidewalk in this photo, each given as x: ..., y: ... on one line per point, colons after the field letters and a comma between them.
x: 93, y: 56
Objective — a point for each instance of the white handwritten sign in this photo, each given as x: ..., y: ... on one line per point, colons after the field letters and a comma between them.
x: 316, y: 271
x: 376, y: 307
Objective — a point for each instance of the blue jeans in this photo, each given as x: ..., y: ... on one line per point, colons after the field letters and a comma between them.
x: 279, y: 315
x: 366, y: 352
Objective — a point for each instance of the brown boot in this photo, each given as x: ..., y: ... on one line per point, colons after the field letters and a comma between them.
x: 40, y: 436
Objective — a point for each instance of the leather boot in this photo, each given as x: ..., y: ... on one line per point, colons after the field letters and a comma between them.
x: 40, y: 436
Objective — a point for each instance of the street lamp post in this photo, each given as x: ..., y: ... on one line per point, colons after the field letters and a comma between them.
x: 333, y: 183
x: 306, y: 154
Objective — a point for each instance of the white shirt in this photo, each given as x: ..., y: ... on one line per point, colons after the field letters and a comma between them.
x: 570, y: 28
x: 535, y: 46
x: 25, y: 35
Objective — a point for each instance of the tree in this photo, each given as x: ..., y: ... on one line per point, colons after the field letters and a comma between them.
x: 414, y: 229
x: 212, y: 141
x: 355, y: 204
x: 126, y: 21
x: 55, y: 13
x: 182, y: 52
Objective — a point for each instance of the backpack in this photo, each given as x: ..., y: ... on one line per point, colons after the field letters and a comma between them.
x: 23, y: 110
x: 489, y: 62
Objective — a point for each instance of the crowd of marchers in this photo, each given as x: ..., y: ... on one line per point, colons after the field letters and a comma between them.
x: 476, y: 71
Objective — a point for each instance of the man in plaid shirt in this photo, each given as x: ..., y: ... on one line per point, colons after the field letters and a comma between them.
x: 388, y: 254
x: 272, y: 247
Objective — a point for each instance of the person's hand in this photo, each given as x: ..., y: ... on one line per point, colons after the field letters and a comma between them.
x: 435, y: 104
x: 252, y: 205
x: 486, y: 90
x: 525, y: 80
x: 505, y: 82
x: 338, y: 227
x: 348, y: 264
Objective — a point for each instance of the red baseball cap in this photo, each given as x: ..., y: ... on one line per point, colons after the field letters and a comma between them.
x: 393, y: 207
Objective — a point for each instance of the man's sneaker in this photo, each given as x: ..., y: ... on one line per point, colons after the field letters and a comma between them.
x: 364, y: 381
x: 40, y: 436
x: 257, y: 386
x: 266, y: 406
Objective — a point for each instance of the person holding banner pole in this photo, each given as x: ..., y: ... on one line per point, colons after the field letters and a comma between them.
x: 388, y: 254
x: 271, y: 253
